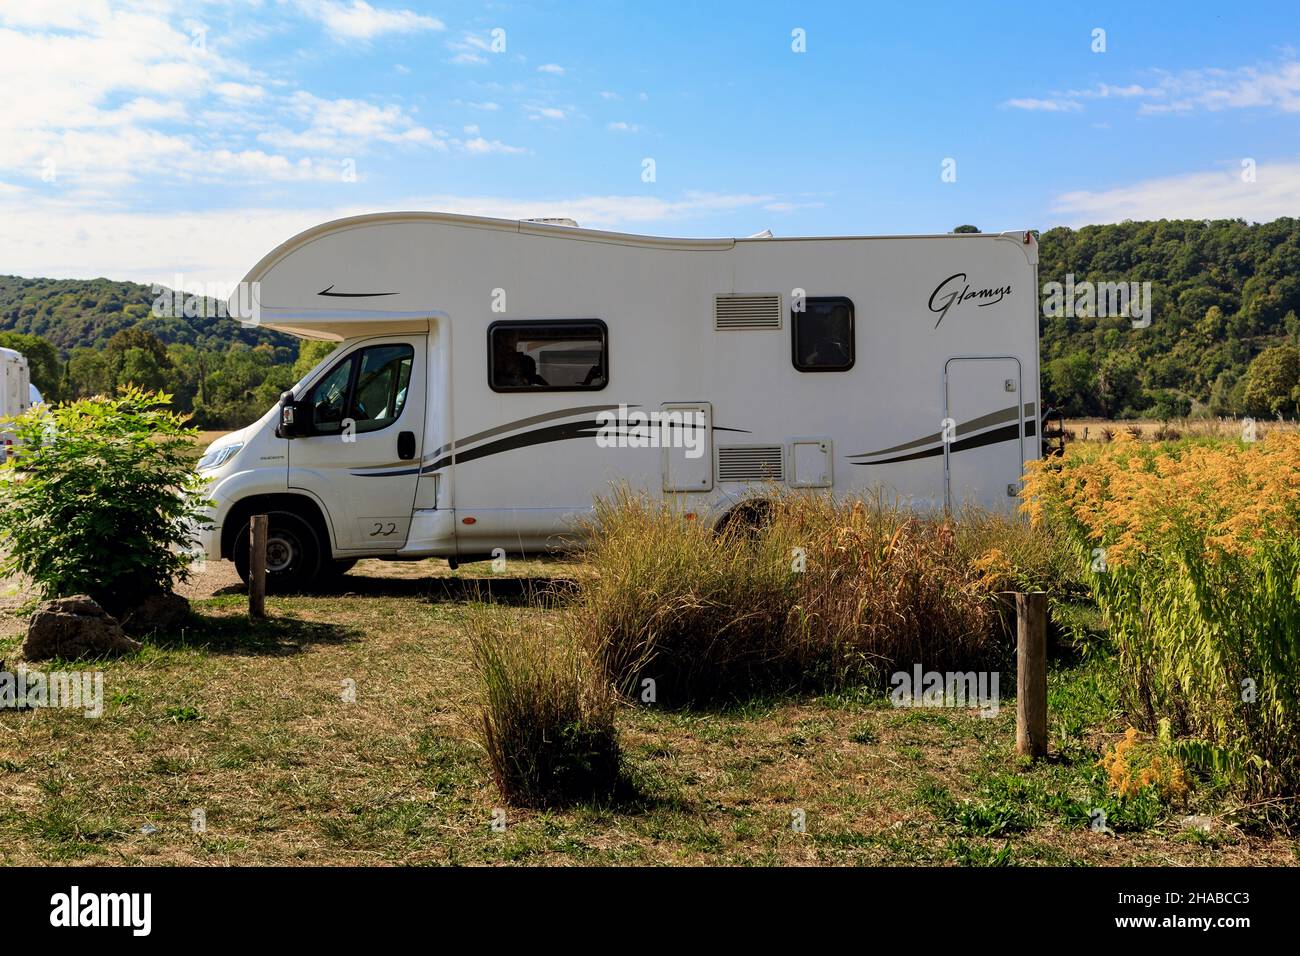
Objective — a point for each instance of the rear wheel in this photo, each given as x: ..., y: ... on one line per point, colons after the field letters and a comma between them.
x: 748, y: 518
x: 293, y: 552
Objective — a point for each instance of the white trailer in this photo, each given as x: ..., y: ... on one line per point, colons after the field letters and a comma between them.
x: 494, y: 376
x: 16, y: 392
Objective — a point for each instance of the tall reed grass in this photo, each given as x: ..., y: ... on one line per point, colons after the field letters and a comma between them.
x: 822, y: 594
x: 1192, y: 550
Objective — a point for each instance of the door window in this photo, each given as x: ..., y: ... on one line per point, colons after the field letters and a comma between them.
x: 380, y: 392
x: 367, y: 389
x: 328, y: 398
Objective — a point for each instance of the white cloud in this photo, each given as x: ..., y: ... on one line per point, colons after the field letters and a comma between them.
x: 333, y: 126
x: 489, y: 107
x: 53, y: 14
x: 602, y: 212
x: 545, y: 112
x: 1047, y: 106
x: 63, y: 240
x: 358, y: 20
x: 480, y: 146
x: 121, y: 95
x: 239, y: 92
x: 470, y: 49
x: 608, y: 95
x: 1275, y: 86
x: 621, y: 127
x: 1269, y: 86
x: 554, y: 68
x: 1208, y: 195
x: 786, y: 206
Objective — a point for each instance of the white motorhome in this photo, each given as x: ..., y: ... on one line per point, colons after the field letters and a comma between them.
x: 17, y: 394
x: 493, y: 376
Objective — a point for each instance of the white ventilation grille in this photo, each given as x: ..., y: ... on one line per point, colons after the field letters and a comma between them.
x: 732, y: 312
x: 750, y: 463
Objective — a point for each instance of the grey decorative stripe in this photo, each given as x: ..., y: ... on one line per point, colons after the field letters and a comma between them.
x: 992, y: 418
x: 521, y: 423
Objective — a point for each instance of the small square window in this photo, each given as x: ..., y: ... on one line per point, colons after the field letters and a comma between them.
x: 823, y: 335
x: 556, y: 356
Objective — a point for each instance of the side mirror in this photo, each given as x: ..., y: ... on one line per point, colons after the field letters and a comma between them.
x: 289, y: 426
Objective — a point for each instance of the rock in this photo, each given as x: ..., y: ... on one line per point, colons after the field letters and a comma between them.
x: 158, y: 612
x: 74, y: 627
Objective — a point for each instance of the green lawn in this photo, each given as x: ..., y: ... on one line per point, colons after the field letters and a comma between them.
x: 251, y: 726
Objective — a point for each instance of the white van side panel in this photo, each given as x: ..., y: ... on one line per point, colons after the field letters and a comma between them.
x: 525, y: 466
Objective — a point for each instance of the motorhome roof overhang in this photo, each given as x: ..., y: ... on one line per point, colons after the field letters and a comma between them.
x: 338, y: 325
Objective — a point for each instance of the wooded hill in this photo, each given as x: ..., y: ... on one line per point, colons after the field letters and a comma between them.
x: 87, y: 312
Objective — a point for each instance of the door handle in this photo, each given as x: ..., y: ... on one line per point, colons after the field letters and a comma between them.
x: 406, y: 445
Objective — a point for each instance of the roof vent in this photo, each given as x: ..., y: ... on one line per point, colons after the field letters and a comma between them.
x: 732, y: 312
x: 555, y: 221
x: 750, y: 463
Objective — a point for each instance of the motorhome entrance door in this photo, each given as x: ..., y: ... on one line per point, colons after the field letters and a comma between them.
x: 362, y: 457
x: 984, y: 436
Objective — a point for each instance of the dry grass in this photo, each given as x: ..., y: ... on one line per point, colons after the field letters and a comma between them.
x: 1101, y: 429
x: 250, y: 725
x: 822, y: 594
x: 546, y: 715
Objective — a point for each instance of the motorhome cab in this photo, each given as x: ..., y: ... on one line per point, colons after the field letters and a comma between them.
x: 494, y: 376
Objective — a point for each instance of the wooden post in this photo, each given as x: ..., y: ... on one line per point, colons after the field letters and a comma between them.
x: 1031, y: 674
x: 257, y: 567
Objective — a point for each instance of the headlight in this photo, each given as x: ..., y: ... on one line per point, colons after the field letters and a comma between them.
x: 215, y: 459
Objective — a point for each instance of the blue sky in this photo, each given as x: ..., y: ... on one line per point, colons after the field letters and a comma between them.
x: 146, y: 139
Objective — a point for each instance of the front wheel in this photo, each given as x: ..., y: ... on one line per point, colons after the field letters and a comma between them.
x: 293, y: 553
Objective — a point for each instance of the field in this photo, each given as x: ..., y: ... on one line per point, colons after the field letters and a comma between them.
x: 1096, y: 429
x: 250, y: 725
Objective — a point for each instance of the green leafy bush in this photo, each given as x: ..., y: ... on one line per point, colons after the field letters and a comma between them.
x: 101, y: 498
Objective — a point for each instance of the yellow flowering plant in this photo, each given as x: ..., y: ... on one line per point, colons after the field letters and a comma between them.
x: 1192, y: 551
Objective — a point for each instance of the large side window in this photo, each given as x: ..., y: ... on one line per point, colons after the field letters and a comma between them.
x: 367, y: 388
x: 548, y: 355
x: 823, y: 335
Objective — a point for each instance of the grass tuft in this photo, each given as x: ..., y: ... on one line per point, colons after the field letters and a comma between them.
x: 546, y: 715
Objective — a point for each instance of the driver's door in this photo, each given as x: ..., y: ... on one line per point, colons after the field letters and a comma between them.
x: 361, y: 455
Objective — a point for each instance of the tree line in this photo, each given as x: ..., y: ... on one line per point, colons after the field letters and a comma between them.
x: 220, y: 389
x: 1223, y: 338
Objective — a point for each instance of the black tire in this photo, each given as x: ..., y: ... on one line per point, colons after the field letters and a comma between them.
x: 747, y: 519
x: 293, y: 553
